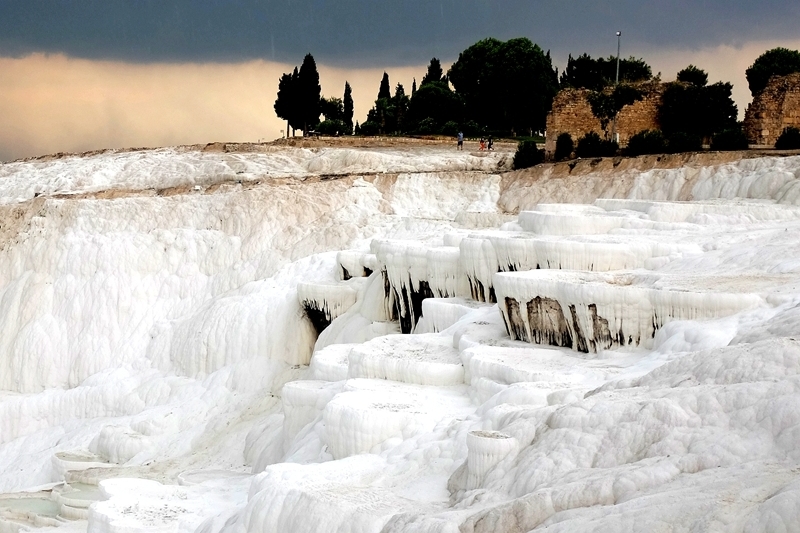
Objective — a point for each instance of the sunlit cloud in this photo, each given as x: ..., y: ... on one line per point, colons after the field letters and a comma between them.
x: 53, y: 103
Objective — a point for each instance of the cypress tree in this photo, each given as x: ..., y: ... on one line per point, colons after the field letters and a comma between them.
x: 414, y: 88
x: 348, y: 107
x: 309, y: 93
x: 385, y: 91
x: 399, y: 107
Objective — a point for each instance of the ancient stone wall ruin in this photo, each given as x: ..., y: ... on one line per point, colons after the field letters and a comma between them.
x: 572, y: 113
x: 777, y: 107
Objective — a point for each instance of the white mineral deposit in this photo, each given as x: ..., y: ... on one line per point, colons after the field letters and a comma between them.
x: 420, y: 342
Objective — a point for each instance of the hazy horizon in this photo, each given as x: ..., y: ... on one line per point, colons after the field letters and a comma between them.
x: 93, y: 75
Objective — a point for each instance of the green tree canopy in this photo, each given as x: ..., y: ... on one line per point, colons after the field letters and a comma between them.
x: 437, y: 102
x: 388, y: 115
x: 505, y: 85
x: 693, y: 76
x: 700, y: 111
x: 332, y: 108
x: 646, y: 142
x: 585, y: 72
x: 775, y: 62
x: 789, y: 139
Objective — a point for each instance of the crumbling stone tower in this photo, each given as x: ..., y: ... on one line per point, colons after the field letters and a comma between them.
x: 775, y: 108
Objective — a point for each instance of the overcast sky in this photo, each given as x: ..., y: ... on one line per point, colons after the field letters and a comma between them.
x: 368, y: 33
x: 64, y: 61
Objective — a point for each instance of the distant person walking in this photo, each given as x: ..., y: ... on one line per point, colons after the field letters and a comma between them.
x: 490, y: 144
x: 460, y: 141
x: 483, y: 144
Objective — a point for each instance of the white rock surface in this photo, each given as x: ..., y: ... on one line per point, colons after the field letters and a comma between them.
x: 152, y: 340
x: 591, y: 312
x: 420, y: 359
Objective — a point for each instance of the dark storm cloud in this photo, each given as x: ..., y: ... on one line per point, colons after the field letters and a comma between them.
x: 371, y: 32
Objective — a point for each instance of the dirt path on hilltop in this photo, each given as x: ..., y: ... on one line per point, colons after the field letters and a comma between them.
x: 409, y: 143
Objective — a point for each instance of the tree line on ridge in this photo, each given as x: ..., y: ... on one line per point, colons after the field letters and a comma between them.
x: 506, y: 88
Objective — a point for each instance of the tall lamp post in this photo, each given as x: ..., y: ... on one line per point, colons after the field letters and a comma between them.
x: 616, y: 82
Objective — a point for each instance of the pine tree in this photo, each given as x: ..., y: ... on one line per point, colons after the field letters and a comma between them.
x: 348, y: 107
x: 434, y: 74
x: 505, y: 86
x: 775, y: 62
x: 385, y: 91
x: 693, y: 76
x: 309, y: 93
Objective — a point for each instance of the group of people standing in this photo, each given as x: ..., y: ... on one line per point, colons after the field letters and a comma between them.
x: 486, y: 144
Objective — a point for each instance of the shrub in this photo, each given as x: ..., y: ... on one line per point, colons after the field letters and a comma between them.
x: 789, y: 139
x: 450, y: 128
x: 701, y: 111
x: 606, y: 106
x: 527, y: 155
x: 680, y: 142
x: 646, y: 142
x: 729, y: 140
x: 426, y: 126
x: 591, y: 145
x: 564, y: 147
x: 332, y: 127
x: 471, y: 129
x: 370, y: 128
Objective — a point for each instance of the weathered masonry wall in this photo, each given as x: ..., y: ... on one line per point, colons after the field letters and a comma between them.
x: 777, y: 107
x: 572, y: 113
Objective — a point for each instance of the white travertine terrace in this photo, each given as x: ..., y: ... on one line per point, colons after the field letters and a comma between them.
x: 356, y: 264
x: 446, y: 278
x: 420, y: 359
x: 438, y: 314
x: 485, y: 450
x: 327, y: 301
x: 155, y: 354
x: 330, y: 363
x: 302, y: 402
x: 591, y: 312
x: 479, y: 261
x: 369, y: 415
x: 526, y: 252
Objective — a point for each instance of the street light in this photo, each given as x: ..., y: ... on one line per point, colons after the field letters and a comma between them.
x: 619, y: 35
x: 614, y: 126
